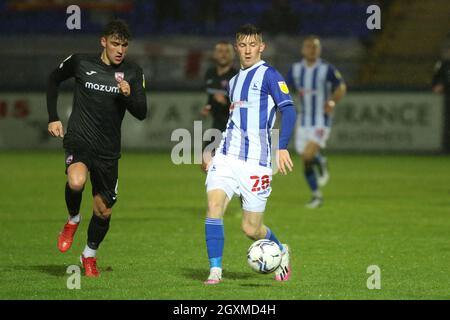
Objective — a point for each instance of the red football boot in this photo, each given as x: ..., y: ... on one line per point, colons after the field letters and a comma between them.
x: 65, y: 237
x: 90, y: 266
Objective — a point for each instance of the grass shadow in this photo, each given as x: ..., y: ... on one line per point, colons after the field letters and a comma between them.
x: 56, y: 270
x: 256, y: 285
x: 202, y: 274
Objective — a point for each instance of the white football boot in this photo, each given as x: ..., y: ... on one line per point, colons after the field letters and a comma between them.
x: 316, y: 202
x: 215, y: 276
x: 283, y: 272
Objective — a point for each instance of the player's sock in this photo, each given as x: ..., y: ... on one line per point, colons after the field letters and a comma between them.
x: 73, y: 202
x: 97, y: 230
x: 75, y: 219
x: 271, y: 236
x: 214, y: 234
x: 311, y: 178
x: 317, y: 161
x: 317, y: 193
x: 88, y: 252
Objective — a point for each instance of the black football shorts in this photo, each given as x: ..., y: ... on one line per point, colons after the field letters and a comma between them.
x: 103, y: 173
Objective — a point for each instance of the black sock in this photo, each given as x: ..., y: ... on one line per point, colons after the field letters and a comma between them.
x: 73, y: 200
x: 97, y: 230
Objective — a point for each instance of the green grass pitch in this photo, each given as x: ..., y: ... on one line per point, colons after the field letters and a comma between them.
x: 389, y: 211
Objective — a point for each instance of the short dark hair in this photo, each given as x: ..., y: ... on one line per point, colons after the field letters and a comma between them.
x: 248, y: 30
x: 311, y: 37
x: 119, y: 28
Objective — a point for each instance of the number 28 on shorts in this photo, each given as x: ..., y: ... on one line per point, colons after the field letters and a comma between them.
x: 260, y: 183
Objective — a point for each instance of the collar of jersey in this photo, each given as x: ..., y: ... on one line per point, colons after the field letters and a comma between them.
x: 253, y: 66
x: 319, y: 61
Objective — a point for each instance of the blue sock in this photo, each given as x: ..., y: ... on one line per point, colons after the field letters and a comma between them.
x: 311, y: 178
x: 317, y: 159
x: 317, y: 162
x: 214, y: 234
x: 270, y: 236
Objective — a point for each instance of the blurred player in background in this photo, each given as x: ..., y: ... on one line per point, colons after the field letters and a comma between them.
x: 320, y: 87
x: 242, y: 163
x: 106, y: 86
x: 441, y: 85
x: 216, y: 79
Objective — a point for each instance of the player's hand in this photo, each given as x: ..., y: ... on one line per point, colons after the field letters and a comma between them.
x: 205, y: 110
x: 124, y: 88
x: 56, y: 129
x: 439, y: 88
x: 220, y: 98
x: 284, y: 161
x: 329, y: 106
x: 205, y: 165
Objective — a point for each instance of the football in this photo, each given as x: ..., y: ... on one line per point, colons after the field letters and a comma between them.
x: 264, y: 256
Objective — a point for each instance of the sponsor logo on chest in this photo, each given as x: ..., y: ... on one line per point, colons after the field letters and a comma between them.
x: 118, y: 76
x: 101, y: 87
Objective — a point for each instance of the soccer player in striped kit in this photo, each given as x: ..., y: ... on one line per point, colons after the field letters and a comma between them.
x: 320, y: 87
x: 242, y: 163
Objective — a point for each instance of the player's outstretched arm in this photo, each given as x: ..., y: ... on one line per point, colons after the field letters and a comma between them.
x: 135, y: 98
x: 65, y: 71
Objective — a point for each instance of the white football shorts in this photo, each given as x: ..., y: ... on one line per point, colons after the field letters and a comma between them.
x: 303, y: 135
x: 235, y: 177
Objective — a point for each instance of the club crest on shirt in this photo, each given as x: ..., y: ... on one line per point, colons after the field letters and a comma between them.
x: 283, y: 87
x: 69, y: 159
x: 255, y: 85
x: 119, y: 76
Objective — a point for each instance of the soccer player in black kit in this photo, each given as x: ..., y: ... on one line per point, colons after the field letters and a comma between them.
x: 106, y: 86
x: 216, y: 79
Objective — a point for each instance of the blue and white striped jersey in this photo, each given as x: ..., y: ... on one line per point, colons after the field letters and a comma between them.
x: 255, y: 94
x: 314, y: 84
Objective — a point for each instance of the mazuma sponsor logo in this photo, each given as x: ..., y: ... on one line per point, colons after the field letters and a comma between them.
x: 101, y: 87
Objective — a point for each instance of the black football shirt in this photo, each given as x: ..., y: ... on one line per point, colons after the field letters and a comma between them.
x: 98, y: 107
x: 216, y: 83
